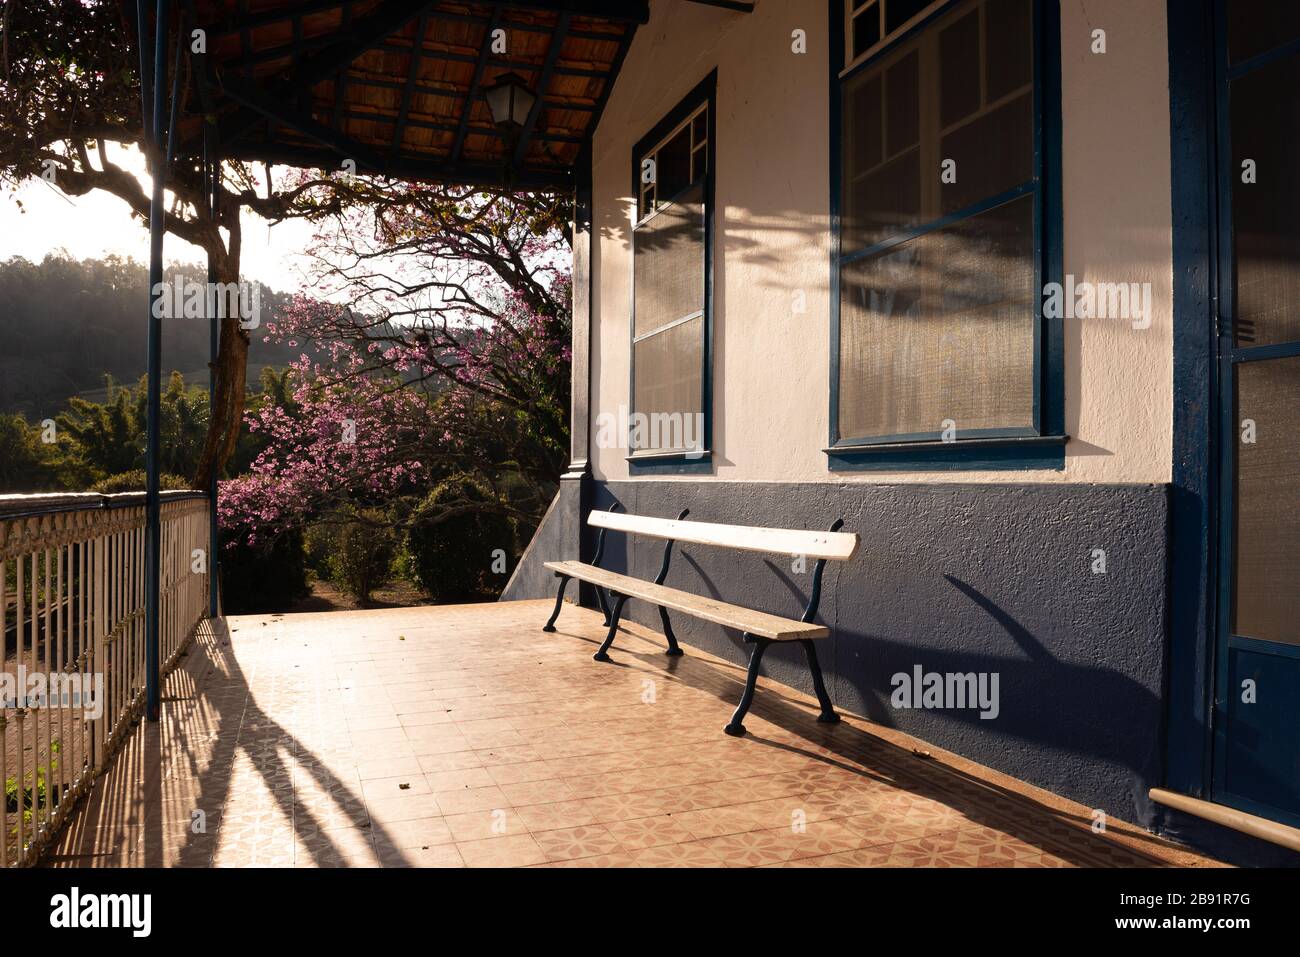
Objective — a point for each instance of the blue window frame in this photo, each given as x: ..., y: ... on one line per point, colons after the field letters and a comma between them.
x: 671, y: 328
x: 1014, y: 410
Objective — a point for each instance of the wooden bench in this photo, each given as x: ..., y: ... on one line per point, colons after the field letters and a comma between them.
x: 759, y: 628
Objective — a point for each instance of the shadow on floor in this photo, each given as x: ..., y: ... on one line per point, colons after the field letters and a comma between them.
x: 166, y: 795
x: 1063, y: 833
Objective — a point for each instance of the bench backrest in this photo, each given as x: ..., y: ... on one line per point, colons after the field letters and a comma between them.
x: 834, y: 546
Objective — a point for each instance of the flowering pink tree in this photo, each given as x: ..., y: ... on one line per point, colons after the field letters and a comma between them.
x: 451, y: 286
x: 383, y: 407
x: 335, y: 442
x: 435, y: 345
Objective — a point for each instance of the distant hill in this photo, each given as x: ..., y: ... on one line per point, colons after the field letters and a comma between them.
x: 66, y: 323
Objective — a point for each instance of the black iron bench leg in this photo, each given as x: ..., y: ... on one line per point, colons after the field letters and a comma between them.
x: 615, y: 615
x: 668, y: 632
x: 559, y: 603
x: 736, y: 729
x: 828, y: 715
x: 604, y: 605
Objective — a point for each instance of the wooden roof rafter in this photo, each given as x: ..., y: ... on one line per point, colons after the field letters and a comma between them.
x: 476, y: 85
x: 413, y: 74
x: 450, y: 92
x: 398, y: 86
x: 552, y: 55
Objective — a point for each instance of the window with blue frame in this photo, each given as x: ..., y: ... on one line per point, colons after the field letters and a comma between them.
x: 672, y: 177
x: 943, y: 238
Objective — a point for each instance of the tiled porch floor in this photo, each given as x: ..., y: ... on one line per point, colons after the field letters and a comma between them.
x: 464, y: 735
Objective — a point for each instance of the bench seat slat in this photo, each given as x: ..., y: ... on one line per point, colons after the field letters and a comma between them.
x: 720, y: 613
x: 835, y: 546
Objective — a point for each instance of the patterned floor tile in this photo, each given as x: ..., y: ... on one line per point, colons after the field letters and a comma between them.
x: 646, y: 832
x: 537, y: 792
x: 575, y: 842
x: 694, y: 854
x: 481, y: 825
x: 561, y: 814
x: 750, y: 848
x: 604, y: 860
x: 517, y: 851
x: 442, y: 855
x: 473, y: 743
x: 404, y: 835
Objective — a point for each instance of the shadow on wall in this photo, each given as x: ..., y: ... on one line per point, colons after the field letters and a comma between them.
x: 1061, y: 833
x: 990, y: 580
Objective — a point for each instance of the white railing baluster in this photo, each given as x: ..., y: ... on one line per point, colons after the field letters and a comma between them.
x: 72, y: 587
x: 4, y: 705
x: 61, y: 706
x: 21, y: 713
x: 98, y: 656
x: 44, y: 715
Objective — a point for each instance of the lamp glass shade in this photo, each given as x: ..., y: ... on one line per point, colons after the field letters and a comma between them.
x: 521, y: 105
x: 498, y: 98
x: 510, y: 101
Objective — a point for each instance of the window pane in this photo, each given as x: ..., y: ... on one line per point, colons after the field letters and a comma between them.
x: 882, y: 203
x: 1257, y: 26
x: 699, y: 163
x: 927, y: 99
x: 1266, y: 213
x: 863, y: 113
x: 1008, y: 29
x: 880, y: 199
x: 866, y: 31
x: 674, y: 166
x: 941, y: 327
x: 667, y: 378
x: 993, y: 147
x: 994, y: 152
x: 668, y: 261
x: 959, y: 69
x: 898, y: 12
x: 700, y: 128
x: 1266, y: 572
x: 903, y: 104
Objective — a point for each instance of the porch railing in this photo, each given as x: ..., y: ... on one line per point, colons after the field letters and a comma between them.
x: 72, y: 655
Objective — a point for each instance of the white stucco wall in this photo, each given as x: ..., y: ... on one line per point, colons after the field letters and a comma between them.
x: 772, y: 367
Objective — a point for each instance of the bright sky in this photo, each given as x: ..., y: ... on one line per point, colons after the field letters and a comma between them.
x: 99, y: 224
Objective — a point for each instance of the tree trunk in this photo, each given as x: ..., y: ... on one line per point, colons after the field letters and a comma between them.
x: 231, y: 373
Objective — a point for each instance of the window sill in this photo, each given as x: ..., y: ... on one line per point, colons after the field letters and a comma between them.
x: 670, y: 463
x: 983, y: 454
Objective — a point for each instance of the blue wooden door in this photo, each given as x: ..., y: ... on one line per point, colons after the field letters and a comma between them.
x: 1257, y: 688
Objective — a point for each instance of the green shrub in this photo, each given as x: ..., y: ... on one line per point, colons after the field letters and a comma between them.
x: 403, y: 566
x: 361, y: 557
x: 134, y: 481
x: 268, y: 576
x: 453, y: 536
x: 317, y: 544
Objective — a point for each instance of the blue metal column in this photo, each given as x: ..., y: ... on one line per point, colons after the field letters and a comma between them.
x: 153, y: 126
